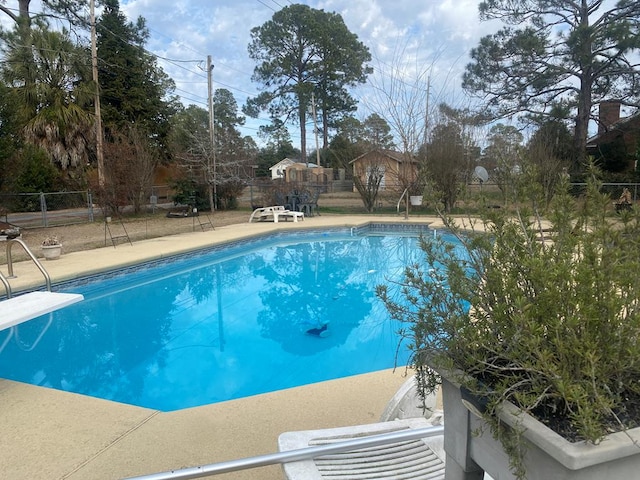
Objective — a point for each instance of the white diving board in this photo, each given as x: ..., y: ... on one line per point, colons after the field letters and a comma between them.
x: 21, y: 308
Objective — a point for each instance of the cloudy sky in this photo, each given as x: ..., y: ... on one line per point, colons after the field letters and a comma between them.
x: 417, y: 39
x: 412, y: 41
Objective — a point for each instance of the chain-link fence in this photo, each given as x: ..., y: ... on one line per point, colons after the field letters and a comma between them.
x: 46, y: 209
x: 615, y: 190
x: 32, y: 210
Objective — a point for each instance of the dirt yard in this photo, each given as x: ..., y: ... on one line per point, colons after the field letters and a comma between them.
x: 86, y: 236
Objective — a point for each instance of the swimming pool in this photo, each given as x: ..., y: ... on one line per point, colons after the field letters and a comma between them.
x: 224, y: 323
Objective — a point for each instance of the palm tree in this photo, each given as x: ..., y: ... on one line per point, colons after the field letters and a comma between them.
x: 47, y: 74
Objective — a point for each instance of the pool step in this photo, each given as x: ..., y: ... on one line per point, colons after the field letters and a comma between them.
x: 21, y: 308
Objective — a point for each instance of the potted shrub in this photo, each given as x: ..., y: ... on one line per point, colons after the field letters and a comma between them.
x: 51, y: 248
x: 532, y: 324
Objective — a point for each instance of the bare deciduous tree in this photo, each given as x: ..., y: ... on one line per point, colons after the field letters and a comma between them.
x: 368, y: 183
x: 405, y: 99
x: 130, y: 165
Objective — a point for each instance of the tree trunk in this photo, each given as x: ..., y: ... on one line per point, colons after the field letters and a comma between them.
x: 586, y: 83
x: 211, y: 198
x: 23, y: 6
x: 582, y: 120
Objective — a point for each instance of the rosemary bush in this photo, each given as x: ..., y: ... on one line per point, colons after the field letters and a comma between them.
x: 538, y: 310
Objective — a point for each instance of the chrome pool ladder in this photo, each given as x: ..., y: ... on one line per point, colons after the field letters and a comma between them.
x: 5, y: 281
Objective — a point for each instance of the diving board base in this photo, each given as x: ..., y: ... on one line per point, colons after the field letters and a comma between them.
x: 21, y: 308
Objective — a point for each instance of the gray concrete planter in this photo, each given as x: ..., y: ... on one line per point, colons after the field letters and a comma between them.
x: 471, y: 449
x: 52, y: 252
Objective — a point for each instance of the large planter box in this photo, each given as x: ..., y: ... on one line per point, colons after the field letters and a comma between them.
x: 471, y: 449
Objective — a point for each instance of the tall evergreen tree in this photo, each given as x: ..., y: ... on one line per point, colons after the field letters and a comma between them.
x: 302, y: 52
x: 68, y: 9
x: 343, y: 62
x: 377, y: 133
x: 133, y: 89
x: 229, y: 141
x: 557, y: 60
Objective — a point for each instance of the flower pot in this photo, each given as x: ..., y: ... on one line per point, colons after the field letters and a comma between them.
x: 52, y: 252
x: 471, y: 448
x: 415, y: 200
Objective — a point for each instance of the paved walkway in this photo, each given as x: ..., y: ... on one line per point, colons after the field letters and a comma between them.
x: 49, y: 434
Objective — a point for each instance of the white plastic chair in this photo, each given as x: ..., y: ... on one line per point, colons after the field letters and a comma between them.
x: 411, y: 459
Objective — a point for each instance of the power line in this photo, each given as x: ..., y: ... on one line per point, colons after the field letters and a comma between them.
x: 183, y: 64
x: 173, y: 59
x: 268, y: 6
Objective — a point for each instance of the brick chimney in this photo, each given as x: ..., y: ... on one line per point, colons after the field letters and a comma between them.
x: 609, y: 113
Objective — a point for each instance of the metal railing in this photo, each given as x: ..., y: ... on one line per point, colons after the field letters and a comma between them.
x: 405, y: 193
x: 10, y: 244
x: 297, y: 455
x: 6, y: 284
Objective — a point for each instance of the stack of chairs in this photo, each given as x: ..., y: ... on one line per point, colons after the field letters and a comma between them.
x: 309, y: 202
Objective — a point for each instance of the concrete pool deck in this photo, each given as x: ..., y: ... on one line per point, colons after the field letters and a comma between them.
x: 49, y: 434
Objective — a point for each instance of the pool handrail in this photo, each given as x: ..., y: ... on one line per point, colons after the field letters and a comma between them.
x: 297, y: 455
x: 10, y: 244
x: 406, y: 213
x: 6, y: 284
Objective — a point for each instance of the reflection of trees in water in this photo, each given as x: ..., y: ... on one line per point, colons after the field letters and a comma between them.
x: 394, y: 254
x: 118, y: 345
x: 307, y: 285
x: 122, y: 343
x: 219, y: 279
x: 213, y: 279
x: 383, y: 259
x: 305, y: 290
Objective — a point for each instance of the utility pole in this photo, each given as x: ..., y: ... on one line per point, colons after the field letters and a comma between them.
x: 315, y: 128
x: 212, y: 136
x: 94, y: 65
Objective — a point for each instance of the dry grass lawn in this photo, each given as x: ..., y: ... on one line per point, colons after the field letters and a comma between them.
x: 85, y: 236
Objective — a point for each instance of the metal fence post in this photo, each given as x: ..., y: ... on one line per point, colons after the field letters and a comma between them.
x: 90, y: 205
x: 43, y: 209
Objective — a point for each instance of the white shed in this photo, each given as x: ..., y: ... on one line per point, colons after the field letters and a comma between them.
x: 278, y: 170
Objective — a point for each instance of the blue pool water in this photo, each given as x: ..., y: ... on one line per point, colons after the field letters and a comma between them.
x: 221, y: 324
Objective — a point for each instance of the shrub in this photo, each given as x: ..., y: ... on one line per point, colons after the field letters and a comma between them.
x: 542, y: 312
